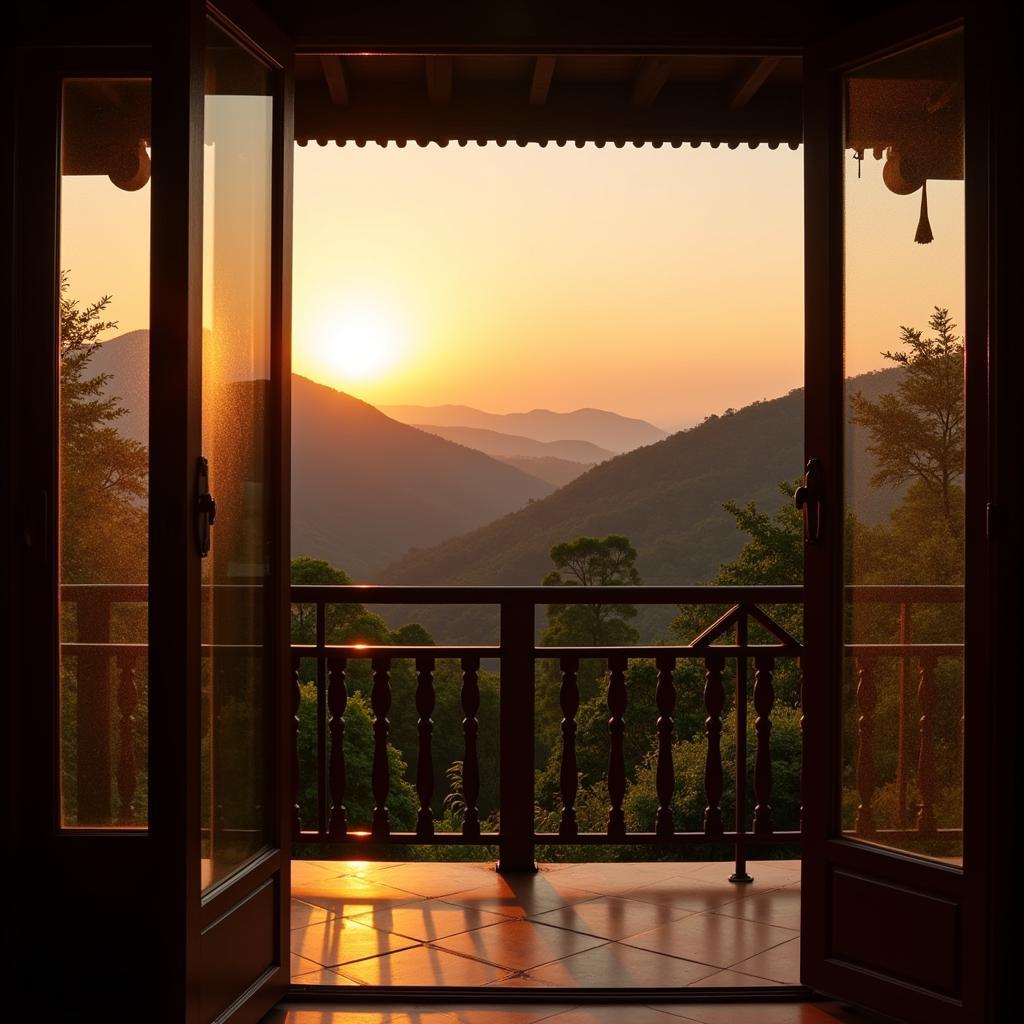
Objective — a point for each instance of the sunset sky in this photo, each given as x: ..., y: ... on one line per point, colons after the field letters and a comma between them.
x: 660, y: 283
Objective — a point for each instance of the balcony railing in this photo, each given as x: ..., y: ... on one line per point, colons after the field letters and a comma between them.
x: 516, y: 654
x: 109, y: 695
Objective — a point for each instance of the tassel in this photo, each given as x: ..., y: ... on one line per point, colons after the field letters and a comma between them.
x: 924, y: 229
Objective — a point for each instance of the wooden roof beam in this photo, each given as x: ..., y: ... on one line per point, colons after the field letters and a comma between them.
x: 334, y: 73
x: 540, y: 83
x: 439, y: 79
x: 745, y: 87
x: 650, y: 79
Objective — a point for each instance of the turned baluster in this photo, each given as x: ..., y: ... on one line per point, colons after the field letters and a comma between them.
x: 425, y: 761
x: 800, y: 671
x: 127, y: 701
x: 714, y: 702
x: 337, y: 701
x: 569, y: 698
x: 926, y: 698
x: 471, y: 761
x: 764, y: 702
x: 380, y: 701
x: 665, y: 778
x: 616, y: 760
x: 867, y: 699
x: 296, y: 695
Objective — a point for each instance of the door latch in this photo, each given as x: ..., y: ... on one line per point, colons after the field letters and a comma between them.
x: 206, y: 507
x: 808, y: 498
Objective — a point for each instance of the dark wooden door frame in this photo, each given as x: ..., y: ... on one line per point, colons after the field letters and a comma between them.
x: 824, y: 399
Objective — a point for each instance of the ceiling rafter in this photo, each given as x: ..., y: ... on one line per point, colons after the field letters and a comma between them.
x: 745, y: 87
x: 540, y: 81
x: 650, y: 79
x: 334, y: 73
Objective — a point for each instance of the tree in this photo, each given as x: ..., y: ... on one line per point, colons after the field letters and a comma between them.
x: 103, y: 477
x: 592, y: 562
x: 917, y: 432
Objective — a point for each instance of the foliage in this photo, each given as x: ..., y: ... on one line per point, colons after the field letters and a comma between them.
x: 917, y: 432
x: 103, y: 474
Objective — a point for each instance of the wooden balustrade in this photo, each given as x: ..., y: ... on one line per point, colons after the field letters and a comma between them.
x: 337, y: 701
x: 724, y: 643
x: 569, y: 699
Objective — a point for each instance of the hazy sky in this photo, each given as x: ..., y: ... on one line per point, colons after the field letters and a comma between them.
x: 661, y: 283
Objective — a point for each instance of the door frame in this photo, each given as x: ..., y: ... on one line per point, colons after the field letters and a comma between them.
x: 238, y: 892
x: 824, y: 64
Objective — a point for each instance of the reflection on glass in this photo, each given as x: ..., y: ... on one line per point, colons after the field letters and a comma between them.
x: 104, y: 457
x: 236, y: 371
x: 904, y: 369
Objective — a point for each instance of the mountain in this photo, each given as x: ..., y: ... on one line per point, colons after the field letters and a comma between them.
x: 557, y: 472
x: 365, y: 488
x: 492, y: 442
x: 666, y: 497
x: 605, y: 429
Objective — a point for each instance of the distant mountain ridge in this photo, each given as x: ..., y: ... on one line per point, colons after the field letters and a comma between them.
x: 365, y: 488
x: 598, y: 426
x: 666, y: 497
x: 493, y: 442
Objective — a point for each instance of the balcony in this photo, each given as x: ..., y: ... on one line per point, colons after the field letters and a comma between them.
x: 374, y: 904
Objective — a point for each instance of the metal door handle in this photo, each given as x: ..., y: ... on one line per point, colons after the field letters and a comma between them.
x: 206, y: 507
x: 808, y: 498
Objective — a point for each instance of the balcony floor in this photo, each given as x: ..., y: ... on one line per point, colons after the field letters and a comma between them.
x: 596, y: 924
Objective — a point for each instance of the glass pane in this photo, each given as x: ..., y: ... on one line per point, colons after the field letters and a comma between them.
x: 236, y: 371
x: 104, y: 456
x: 904, y: 371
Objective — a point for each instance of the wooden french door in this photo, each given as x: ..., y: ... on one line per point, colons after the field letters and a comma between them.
x: 894, y: 501
x: 239, y: 824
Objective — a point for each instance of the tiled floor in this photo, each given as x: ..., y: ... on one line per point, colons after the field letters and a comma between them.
x: 663, y: 1013
x: 607, y: 925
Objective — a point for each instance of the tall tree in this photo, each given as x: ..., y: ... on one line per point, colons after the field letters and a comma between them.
x: 917, y: 431
x: 103, y: 473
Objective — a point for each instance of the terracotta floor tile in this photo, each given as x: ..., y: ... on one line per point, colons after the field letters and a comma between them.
x: 423, y: 965
x: 519, y: 945
x: 305, y: 914
x: 368, y: 1013
x: 617, y: 965
x: 520, y: 896
x: 612, y: 1015
x: 342, y: 940
x: 764, y: 872
x: 761, y: 1013
x: 689, y: 893
x: 780, y: 963
x: 780, y: 907
x: 614, y: 879
x: 429, y: 919
x: 610, y: 917
x: 732, y: 979
x: 512, y: 1013
x: 431, y: 880
x: 524, y: 980
x: 314, y: 870
x: 322, y: 976
x: 349, y: 895
x: 712, y: 939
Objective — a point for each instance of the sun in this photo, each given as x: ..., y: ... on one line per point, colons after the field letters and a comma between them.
x: 359, y: 341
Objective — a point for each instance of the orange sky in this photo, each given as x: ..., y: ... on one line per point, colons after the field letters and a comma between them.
x: 659, y: 283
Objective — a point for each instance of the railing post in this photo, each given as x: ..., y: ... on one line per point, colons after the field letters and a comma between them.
x: 617, y: 702
x: 740, y: 874
x: 94, y: 738
x: 714, y: 702
x: 516, y: 737
x: 867, y: 701
x: 127, y: 701
x: 926, y: 699
x: 337, y: 701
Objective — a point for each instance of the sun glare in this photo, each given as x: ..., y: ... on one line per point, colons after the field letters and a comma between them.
x: 359, y: 341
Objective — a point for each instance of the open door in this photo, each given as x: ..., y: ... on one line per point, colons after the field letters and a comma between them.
x: 239, y: 847
x: 894, y: 504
